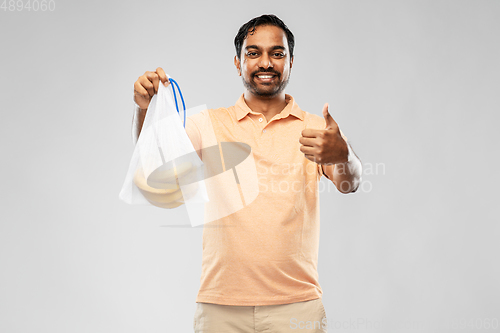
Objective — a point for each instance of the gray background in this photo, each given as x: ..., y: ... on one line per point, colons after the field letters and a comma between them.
x: 413, y: 84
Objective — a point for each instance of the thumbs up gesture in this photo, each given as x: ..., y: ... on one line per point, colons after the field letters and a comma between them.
x: 324, y: 146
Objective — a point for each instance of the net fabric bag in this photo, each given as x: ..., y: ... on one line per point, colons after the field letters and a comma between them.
x: 165, y: 170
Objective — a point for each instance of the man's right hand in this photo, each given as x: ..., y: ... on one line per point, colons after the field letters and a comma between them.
x: 147, y: 85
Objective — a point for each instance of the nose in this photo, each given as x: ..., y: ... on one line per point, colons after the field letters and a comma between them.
x: 265, y: 61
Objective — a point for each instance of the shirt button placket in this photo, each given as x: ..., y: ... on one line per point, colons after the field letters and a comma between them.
x: 261, y: 120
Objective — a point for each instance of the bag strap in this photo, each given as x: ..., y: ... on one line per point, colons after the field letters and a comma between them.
x: 172, y: 81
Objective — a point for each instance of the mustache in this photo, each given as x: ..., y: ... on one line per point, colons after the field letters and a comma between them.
x: 266, y: 72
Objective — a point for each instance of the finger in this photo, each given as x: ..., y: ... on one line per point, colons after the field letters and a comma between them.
x: 307, y: 150
x: 310, y: 133
x: 330, y: 122
x: 147, y: 84
x: 139, y: 90
x: 155, y: 79
x: 310, y: 158
x: 308, y: 142
x: 163, y: 76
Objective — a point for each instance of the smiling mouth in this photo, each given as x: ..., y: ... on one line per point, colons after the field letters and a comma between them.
x: 265, y: 77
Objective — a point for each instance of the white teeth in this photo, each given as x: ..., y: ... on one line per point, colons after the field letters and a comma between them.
x: 265, y: 76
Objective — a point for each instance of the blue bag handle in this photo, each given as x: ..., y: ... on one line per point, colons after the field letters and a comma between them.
x: 172, y: 81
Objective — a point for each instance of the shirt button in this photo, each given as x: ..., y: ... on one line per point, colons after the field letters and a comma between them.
x: 260, y: 119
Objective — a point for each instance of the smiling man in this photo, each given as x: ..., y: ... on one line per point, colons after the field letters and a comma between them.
x: 266, y: 63
x: 259, y: 268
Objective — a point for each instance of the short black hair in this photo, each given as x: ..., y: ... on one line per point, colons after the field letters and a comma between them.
x: 266, y: 19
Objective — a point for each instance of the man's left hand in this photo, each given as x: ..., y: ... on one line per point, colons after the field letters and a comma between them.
x: 324, y: 146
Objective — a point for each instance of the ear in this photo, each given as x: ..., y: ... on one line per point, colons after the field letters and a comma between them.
x: 291, y: 62
x: 237, y: 64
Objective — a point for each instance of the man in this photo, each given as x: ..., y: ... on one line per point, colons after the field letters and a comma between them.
x: 259, y: 270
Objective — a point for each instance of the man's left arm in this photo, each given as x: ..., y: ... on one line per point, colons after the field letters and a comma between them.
x: 346, y: 176
x: 330, y: 149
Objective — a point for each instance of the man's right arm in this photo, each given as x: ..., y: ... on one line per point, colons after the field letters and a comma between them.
x: 145, y: 88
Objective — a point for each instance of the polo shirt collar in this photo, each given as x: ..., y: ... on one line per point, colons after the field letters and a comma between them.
x: 291, y: 108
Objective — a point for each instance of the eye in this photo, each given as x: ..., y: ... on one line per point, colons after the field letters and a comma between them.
x: 251, y: 54
x: 279, y: 55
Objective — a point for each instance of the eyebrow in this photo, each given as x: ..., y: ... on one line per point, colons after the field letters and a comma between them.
x: 276, y: 47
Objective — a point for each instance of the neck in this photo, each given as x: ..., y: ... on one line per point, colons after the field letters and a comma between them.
x: 268, y: 106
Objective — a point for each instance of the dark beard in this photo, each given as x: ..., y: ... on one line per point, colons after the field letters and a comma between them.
x: 252, y: 87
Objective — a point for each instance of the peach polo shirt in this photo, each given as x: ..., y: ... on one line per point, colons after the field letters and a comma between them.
x: 265, y: 252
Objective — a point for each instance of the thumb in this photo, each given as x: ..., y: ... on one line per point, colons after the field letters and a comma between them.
x: 330, y: 122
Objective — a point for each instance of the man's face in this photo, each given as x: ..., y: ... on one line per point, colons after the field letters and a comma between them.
x: 265, y: 61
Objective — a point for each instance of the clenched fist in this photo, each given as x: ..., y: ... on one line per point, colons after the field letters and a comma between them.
x: 324, y: 146
x: 147, y: 85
